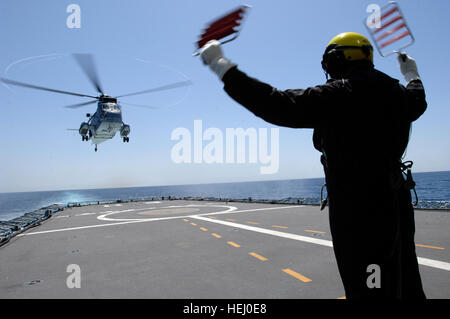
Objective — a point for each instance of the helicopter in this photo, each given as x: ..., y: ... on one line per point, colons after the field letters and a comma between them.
x: 107, y: 120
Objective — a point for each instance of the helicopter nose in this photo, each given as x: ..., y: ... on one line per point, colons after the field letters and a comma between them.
x: 113, y: 116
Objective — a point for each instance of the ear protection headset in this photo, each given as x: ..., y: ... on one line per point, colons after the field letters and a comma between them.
x: 334, y: 59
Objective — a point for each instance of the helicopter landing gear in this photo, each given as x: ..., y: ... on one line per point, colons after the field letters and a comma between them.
x: 86, y: 136
x: 126, y: 139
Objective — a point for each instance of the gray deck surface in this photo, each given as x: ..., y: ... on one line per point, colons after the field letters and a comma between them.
x: 197, y: 249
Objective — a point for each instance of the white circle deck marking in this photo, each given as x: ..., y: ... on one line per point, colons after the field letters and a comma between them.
x: 171, y: 209
x: 85, y: 214
x: 128, y: 221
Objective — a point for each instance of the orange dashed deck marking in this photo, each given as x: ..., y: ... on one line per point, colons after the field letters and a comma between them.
x: 186, y: 220
x: 253, y: 223
x: 277, y: 226
x: 203, y: 228
x: 258, y: 256
x: 296, y: 275
x: 213, y: 217
x: 427, y: 246
x: 314, y: 231
x: 215, y: 235
x: 233, y: 244
x: 342, y: 297
x: 193, y: 224
x: 231, y: 219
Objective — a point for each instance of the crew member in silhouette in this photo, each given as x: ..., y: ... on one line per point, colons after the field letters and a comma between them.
x: 361, y: 119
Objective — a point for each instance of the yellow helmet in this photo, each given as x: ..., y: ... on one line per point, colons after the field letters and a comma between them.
x: 354, y: 45
x: 346, y: 47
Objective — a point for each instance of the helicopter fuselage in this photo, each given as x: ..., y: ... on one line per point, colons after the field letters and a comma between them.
x: 104, y: 123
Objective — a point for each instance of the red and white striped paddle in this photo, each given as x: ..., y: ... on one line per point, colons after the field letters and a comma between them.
x: 225, y: 28
x: 392, y: 34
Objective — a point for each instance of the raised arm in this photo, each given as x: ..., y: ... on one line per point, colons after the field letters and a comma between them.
x: 415, y: 93
x: 299, y: 108
x: 306, y: 108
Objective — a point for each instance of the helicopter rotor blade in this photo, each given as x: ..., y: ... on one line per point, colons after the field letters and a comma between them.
x: 87, y: 64
x: 75, y: 106
x: 138, y: 105
x: 160, y: 88
x: 32, y: 86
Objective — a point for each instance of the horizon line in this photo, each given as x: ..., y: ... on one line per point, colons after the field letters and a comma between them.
x: 169, y: 185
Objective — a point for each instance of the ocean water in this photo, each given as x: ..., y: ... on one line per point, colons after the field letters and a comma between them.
x: 433, y: 189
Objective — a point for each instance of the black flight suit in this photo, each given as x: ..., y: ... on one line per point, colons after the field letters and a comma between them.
x: 361, y: 125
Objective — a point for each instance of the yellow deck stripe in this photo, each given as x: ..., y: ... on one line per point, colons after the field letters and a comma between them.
x: 186, y: 220
x: 215, y: 235
x: 233, y: 244
x: 193, y: 224
x: 203, y: 228
x: 253, y: 223
x: 314, y: 231
x: 258, y: 256
x: 231, y: 220
x: 342, y: 297
x: 277, y: 226
x: 433, y: 247
x: 296, y: 275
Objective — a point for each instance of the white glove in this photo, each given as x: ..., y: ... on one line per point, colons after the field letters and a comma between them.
x: 408, y: 67
x: 212, y: 55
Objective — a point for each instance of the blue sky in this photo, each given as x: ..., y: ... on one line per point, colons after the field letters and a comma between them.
x: 143, y: 44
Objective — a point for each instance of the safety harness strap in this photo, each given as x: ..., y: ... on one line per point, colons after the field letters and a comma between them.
x: 409, y: 182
